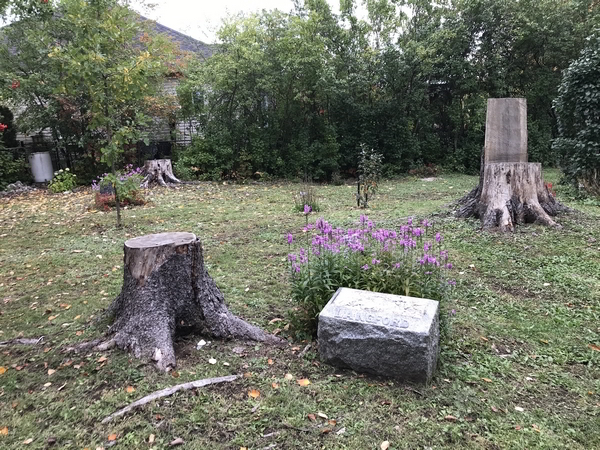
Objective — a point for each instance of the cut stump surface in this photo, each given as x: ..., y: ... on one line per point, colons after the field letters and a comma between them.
x: 166, y: 289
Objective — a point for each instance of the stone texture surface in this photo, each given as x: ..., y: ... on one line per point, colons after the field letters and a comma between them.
x: 506, y: 130
x: 382, y: 334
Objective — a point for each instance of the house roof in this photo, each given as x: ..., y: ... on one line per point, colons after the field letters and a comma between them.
x: 186, y: 43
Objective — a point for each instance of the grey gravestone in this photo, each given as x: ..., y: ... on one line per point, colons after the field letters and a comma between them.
x: 506, y: 130
x: 383, y: 334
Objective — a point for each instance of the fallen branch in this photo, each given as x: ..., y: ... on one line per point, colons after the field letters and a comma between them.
x: 169, y: 391
x: 303, y: 352
x: 22, y: 341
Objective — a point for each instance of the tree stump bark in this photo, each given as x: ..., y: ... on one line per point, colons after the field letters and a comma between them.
x: 510, y: 194
x: 157, y: 170
x: 166, y: 290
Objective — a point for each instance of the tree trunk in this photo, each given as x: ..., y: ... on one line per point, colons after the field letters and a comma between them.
x: 157, y: 170
x: 510, y: 194
x: 166, y: 289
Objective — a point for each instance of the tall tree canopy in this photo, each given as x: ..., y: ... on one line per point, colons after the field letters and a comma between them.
x: 297, y: 94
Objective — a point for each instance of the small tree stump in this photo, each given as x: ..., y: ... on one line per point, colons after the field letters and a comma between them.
x: 166, y: 289
x: 157, y: 170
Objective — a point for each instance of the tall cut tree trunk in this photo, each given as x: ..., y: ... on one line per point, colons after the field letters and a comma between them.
x: 166, y: 290
x: 510, y: 190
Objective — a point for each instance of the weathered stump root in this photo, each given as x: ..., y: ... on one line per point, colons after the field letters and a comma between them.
x: 166, y: 290
x: 510, y: 194
x: 157, y: 170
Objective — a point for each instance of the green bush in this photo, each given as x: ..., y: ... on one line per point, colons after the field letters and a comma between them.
x: 409, y: 261
x: 578, y: 110
x: 63, y: 181
x: 12, y: 169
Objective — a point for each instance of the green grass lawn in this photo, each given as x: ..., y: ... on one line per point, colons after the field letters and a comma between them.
x: 519, y: 364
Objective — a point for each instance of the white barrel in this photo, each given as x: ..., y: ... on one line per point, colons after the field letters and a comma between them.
x: 41, y: 167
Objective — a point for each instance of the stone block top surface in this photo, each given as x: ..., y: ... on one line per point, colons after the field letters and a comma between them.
x: 386, y: 310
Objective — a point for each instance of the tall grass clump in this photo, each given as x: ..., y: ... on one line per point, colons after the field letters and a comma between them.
x: 307, y: 196
x: 411, y: 260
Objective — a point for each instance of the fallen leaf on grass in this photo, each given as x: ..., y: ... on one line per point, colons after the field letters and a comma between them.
x: 518, y: 408
x: 175, y: 374
x: 177, y: 441
x: 450, y: 418
x: 312, y: 417
x: 4, y: 431
x: 487, y: 380
x: 212, y: 361
x: 326, y: 430
x: 79, y: 333
x: 151, y: 439
x: 275, y: 386
x: 332, y: 422
x: 341, y: 431
x: 289, y: 376
x: 129, y: 389
x: 51, y: 371
x: 28, y: 441
x: 102, y: 359
x: 2, y: 370
x: 303, y: 382
x: 385, y: 445
x: 248, y: 375
x: 112, y: 437
x: 322, y: 416
x: 254, y: 393
x: 270, y: 362
x: 47, y: 385
x: 596, y: 348
x: 51, y: 318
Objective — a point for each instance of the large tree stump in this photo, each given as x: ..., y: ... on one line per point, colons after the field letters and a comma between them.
x: 166, y: 290
x: 510, y: 190
x: 514, y: 193
x: 157, y: 170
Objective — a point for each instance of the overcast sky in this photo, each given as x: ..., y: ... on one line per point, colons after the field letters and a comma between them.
x: 202, y: 18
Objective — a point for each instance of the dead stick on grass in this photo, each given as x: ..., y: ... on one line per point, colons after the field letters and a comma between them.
x: 22, y: 341
x: 169, y: 391
x: 303, y: 352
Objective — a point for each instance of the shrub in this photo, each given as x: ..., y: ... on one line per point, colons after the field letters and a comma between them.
x: 63, y: 181
x: 427, y: 170
x: 370, y: 167
x: 127, y: 184
x: 578, y: 111
x: 409, y: 261
x: 12, y: 169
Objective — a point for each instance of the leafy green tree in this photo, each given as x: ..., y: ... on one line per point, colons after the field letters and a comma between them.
x: 299, y: 94
x: 578, y: 110
x: 89, y: 70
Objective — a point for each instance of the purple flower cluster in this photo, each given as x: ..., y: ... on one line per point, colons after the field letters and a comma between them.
x: 130, y: 172
x: 127, y: 174
x: 396, y: 247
